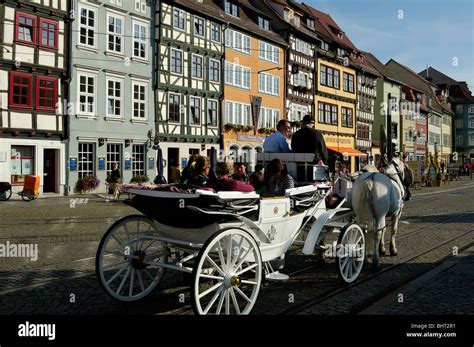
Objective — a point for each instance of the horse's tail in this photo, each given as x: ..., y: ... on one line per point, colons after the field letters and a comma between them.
x: 365, y: 207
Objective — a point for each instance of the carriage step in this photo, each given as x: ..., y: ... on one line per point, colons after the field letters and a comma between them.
x: 277, y: 277
x: 337, y: 225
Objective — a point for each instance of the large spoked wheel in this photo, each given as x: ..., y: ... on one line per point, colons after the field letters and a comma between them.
x: 4, y: 196
x: 227, y: 274
x: 127, y: 261
x: 350, y: 253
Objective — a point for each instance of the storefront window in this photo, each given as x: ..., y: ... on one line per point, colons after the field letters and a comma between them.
x: 22, y: 163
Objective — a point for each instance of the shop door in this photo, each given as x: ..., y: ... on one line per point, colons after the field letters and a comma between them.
x: 50, y: 171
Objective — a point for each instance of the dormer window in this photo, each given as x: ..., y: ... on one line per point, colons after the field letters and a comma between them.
x: 324, y: 46
x: 297, y: 21
x: 310, y: 23
x: 231, y: 7
x: 264, y: 23
x: 341, y: 52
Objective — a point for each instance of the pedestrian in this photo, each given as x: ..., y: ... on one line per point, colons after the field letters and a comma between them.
x: 240, y: 173
x: 277, y: 142
x: 175, y: 173
x: 115, y: 180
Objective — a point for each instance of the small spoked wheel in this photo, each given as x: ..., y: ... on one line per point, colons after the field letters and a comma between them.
x: 4, y: 196
x: 227, y: 274
x: 350, y: 253
x: 128, y: 259
x: 28, y: 197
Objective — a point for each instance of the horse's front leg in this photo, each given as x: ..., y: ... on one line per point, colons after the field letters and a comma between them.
x: 393, y: 246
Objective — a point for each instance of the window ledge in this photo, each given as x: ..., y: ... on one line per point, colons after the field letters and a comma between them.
x: 114, y: 54
x: 139, y: 121
x: 114, y: 119
x: 83, y: 116
x: 87, y: 48
x: 140, y: 60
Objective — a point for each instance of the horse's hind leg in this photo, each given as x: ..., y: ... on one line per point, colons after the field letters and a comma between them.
x: 382, y: 242
x: 379, y: 226
x: 393, y: 246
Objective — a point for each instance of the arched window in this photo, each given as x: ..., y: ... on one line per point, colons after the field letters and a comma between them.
x: 234, y: 152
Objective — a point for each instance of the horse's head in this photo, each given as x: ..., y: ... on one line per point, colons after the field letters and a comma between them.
x: 396, y: 167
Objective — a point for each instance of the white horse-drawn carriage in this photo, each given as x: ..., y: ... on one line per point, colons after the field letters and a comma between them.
x: 228, y: 241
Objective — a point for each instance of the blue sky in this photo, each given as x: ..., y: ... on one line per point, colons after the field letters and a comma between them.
x: 431, y: 32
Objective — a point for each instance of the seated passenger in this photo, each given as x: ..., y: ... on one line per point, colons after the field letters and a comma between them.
x: 200, y: 172
x: 225, y: 183
x: 258, y: 182
x: 188, y: 170
x: 279, y: 181
x: 276, y: 142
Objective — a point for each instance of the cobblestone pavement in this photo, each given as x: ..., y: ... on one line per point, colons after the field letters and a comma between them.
x: 443, y: 290
x: 68, y: 230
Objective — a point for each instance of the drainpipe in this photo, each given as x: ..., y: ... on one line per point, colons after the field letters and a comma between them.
x: 67, y: 133
x: 221, y: 98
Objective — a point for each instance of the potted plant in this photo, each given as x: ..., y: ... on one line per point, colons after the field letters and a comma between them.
x: 229, y: 127
x: 140, y: 179
x: 248, y: 128
x: 87, y: 183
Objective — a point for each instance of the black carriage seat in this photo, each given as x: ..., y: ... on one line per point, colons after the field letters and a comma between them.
x: 246, y: 204
x: 304, y: 197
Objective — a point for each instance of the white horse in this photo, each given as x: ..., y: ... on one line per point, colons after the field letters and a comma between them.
x: 377, y: 195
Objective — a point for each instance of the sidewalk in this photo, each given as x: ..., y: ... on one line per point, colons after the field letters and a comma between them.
x: 447, y: 289
x: 462, y: 181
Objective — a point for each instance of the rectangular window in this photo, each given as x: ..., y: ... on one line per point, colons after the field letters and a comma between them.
x: 336, y: 79
x: 348, y: 83
x: 346, y: 117
x: 237, y: 75
x: 21, y: 90
x: 231, y: 7
x: 115, y: 33
x: 138, y: 160
x: 87, y: 94
x: 114, y: 97
x: 237, y: 41
x: 139, y: 99
x: 471, y: 109
x: 48, y: 33
x: 174, y: 107
x: 196, y: 66
x: 322, y: 75
x: 320, y: 112
x: 176, y: 61
x: 237, y: 113
x: 310, y: 23
x: 22, y: 163
x: 214, y: 70
x: 459, y: 140
x: 199, y: 26
x: 86, y: 159
x: 194, y: 111
x: 329, y: 77
x: 269, y: 52
x: 179, y: 18
x: 471, y: 123
x: 212, y: 112
x: 87, y: 26
x: 139, y: 41
x: 334, y: 115
x: 25, y: 28
x: 216, y: 32
x: 114, y: 155
x: 263, y: 23
x: 46, y: 93
x: 268, y: 84
x: 327, y: 113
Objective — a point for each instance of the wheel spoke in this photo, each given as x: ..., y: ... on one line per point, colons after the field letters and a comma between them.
x: 234, y: 300
x: 130, y: 292
x: 249, y: 282
x: 229, y: 253
x: 243, y: 258
x: 118, y: 273
x: 212, y: 277
x: 238, y: 253
x: 221, y: 301
x: 221, y: 254
x: 123, y: 282
x: 215, y: 265
x: 213, y: 300
x: 116, y: 239
x: 247, y: 269
x: 149, y: 274
x: 111, y: 266
x: 152, y: 241
x: 227, y: 303
x: 242, y: 294
x: 210, y: 290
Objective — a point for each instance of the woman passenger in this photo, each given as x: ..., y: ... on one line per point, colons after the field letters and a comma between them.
x: 226, y: 183
x: 279, y: 180
x: 200, y: 172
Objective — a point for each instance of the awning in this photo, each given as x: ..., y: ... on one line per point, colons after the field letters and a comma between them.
x: 350, y: 152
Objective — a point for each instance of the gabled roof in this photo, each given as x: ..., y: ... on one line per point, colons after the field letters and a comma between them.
x: 411, y: 78
x: 381, y: 68
x: 331, y: 27
x: 457, y: 90
x: 213, y: 9
x: 290, y: 4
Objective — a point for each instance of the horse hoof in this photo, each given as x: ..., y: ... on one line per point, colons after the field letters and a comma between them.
x: 393, y: 252
x: 382, y: 252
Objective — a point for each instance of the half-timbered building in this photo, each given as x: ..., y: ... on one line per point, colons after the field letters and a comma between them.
x: 189, y: 61
x: 34, y: 41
